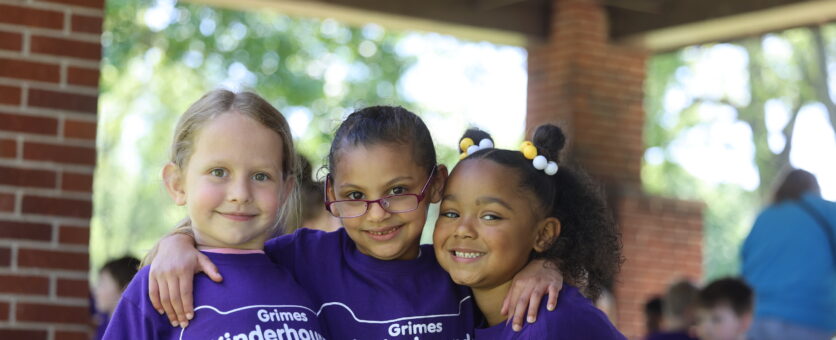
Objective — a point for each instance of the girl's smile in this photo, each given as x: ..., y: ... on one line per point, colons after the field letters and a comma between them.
x: 384, y: 234
x: 238, y: 216
x: 486, y: 230
x: 464, y: 255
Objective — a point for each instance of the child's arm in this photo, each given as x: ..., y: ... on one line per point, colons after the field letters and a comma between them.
x: 527, y: 289
x: 174, y: 262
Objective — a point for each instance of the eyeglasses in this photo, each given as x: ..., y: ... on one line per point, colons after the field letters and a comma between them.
x: 394, y: 203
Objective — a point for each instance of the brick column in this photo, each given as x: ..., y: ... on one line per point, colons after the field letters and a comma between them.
x: 49, y: 75
x: 594, y: 88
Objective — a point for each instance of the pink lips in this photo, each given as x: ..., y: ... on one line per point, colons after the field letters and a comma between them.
x: 238, y: 217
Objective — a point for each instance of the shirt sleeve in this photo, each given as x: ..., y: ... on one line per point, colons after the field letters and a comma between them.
x: 586, y: 323
x: 598, y: 328
x: 132, y: 318
x: 282, y: 250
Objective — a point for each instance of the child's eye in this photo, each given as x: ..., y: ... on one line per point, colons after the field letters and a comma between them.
x: 450, y: 214
x: 397, y: 191
x: 261, y: 177
x: 354, y: 195
x: 491, y: 217
x: 218, y: 172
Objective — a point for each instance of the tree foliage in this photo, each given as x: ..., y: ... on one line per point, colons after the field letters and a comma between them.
x: 159, y: 57
x: 794, y: 80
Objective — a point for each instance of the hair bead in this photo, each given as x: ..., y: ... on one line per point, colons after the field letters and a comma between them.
x: 472, y: 149
x: 540, y: 162
x: 485, y: 144
x: 529, y: 151
x: 465, y: 144
x: 551, y: 168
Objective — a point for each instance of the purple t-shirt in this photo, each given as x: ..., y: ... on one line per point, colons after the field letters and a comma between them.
x: 574, y: 318
x: 360, y: 297
x: 256, y: 300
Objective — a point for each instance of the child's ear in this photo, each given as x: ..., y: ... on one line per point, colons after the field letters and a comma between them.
x: 436, y: 188
x: 173, y: 179
x: 745, y: 322
x: 547, y: 232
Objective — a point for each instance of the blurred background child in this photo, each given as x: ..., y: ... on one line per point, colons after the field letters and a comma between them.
x: 113, y: 278
x: 653, y: 315
x: 314, y: 215
x: 724, y: 310
x: 678, y: 312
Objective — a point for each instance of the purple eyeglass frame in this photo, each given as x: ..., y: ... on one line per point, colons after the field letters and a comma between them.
x: 419, y: 196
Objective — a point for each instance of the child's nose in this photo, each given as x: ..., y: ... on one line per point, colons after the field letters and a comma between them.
x: 376, y: 212
x: 240, y: 192
x: 465, y: 229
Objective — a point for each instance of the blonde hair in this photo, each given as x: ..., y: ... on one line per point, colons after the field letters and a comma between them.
x: 217, y: 102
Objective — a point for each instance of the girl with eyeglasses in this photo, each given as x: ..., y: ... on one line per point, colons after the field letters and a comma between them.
x: 371, y: 279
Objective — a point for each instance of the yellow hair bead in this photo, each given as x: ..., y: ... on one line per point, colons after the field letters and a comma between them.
x: 529, y: 151
x: 462, y: 155
x: 524, y: 144
x: 465, y: 143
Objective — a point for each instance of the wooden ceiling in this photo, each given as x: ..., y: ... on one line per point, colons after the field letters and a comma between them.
x: 652, y: 24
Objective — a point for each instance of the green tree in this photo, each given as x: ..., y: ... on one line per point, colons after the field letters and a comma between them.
x: 794, y: 80
x: 159, y: 57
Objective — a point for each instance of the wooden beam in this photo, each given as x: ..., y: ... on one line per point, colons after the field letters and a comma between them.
x: 494, y: 4
x: 517, y: 24
x: 734, y: 27
x: 646, y: 6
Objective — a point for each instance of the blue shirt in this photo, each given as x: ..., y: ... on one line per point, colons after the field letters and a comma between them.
x: 787, y: 260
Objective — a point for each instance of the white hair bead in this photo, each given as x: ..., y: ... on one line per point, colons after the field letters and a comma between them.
x: 551, y: 169
x: 540, y: 162
x: 485, y: 144
x: 471, y: 149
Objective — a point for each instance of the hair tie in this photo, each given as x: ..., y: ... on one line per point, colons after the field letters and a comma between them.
x: 468, y: 147
x: 539, y: 161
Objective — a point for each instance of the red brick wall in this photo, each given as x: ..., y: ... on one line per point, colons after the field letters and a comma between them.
x: 49, y: 71
x: 577, y: 78
x: 662, y: 244
x: 582, y: 81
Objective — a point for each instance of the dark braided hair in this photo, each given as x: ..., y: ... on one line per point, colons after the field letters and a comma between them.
x: 588, y: 249
x: 382, y: 125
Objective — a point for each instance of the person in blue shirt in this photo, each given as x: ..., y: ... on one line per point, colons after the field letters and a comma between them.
x: 788, y: 259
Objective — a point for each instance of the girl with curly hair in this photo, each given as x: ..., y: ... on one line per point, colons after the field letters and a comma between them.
x: 501, y: 209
